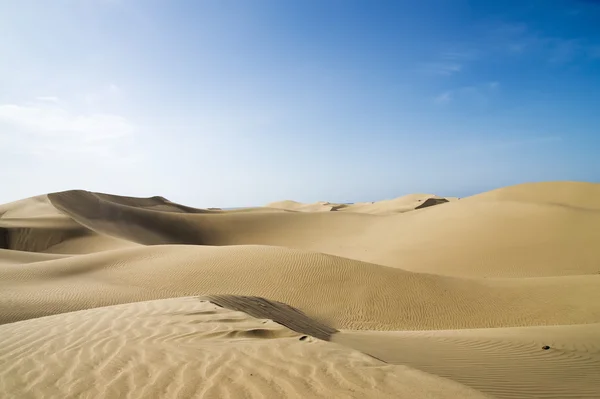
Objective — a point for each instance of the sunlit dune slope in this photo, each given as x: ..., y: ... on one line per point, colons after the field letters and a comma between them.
x: 501, y: 362
x: 186, y: 347
x: 420, y: 296
x: 342, y: 292
x: 490, y: 235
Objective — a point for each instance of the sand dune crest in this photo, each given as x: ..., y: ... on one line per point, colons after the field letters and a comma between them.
x: 420, y: 296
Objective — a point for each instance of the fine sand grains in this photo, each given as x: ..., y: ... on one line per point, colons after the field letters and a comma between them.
x: 188, y: 348
x: 416, y: 297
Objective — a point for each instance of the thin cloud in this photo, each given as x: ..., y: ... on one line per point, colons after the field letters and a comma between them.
x: 450, y: 62
x: 517, y: 47
x: 443, y: 98
x: 477, y: 93
x: 442, y: 68
x: 459, y: 55
x: 48, y: 99
x: 54, y: 120
x: 514, y: 38
x: 113, y: 88
x: 510, y: 29
x: 520, y: 40
x: 106, y: 93
x: 46, y: 130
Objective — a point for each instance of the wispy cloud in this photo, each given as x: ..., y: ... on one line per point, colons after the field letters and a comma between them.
x: 476, y: 93
x: 509, y: 37
x: 55, y: 120
x: 449, y: 62
x: 520, y: 39
x: 49, y: 130
x: 445, y: 68
x: 443, y: 98
x: 564, y: 50
x: 109, y: 92
x: 49, y: 99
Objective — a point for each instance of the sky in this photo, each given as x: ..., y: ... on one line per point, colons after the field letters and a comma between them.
x: 239, y: 103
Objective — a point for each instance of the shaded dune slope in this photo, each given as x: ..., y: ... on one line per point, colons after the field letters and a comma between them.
x: 36, y: 225
x: 152, y: 203
x: 104, y: 295
x: 123, y: 220
x: 507, y: 235
x: 278, y: 312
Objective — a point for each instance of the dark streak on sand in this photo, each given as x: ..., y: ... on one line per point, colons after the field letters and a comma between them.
x: 281, y: 313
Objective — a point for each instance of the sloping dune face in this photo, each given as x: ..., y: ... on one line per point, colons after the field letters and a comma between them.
x: 495, y: 295
x: 188, y: 348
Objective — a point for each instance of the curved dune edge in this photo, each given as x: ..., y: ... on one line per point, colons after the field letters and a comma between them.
x: 340, y: 292
x: 184, y: 347
x: 469, y: 291
x: 36, y: 225
x: 507, y: 235
x: 33, y: 207
x: 569, y: 194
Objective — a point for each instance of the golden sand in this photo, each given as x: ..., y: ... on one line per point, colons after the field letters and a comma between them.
x: 419, y: 296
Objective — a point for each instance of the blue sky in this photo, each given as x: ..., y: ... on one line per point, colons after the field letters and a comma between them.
x: 234, y: 103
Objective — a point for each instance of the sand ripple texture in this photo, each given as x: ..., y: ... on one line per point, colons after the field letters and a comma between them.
x: 189, y: 348
x: 494, y: 295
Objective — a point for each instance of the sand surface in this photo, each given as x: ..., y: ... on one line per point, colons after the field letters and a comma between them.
x: 419, y: 296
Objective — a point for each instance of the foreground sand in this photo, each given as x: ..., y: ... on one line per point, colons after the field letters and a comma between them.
x: 394, y: 299
x: 186, y: 347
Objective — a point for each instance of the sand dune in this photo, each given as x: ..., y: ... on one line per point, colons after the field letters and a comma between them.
x: 34, y: 207
x: 339, y: 291
x: 501, y: 362
x: 186, y: 347
x: 406, y: 203
x: 420, y: 296
x: 295, y: 206
x: 566, y: 193
x: 475, y: 237
x: 402, y: 204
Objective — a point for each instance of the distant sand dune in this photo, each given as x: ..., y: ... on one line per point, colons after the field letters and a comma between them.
x: 475, y: 236
x: 420, y: 296
x: 398, y: 205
